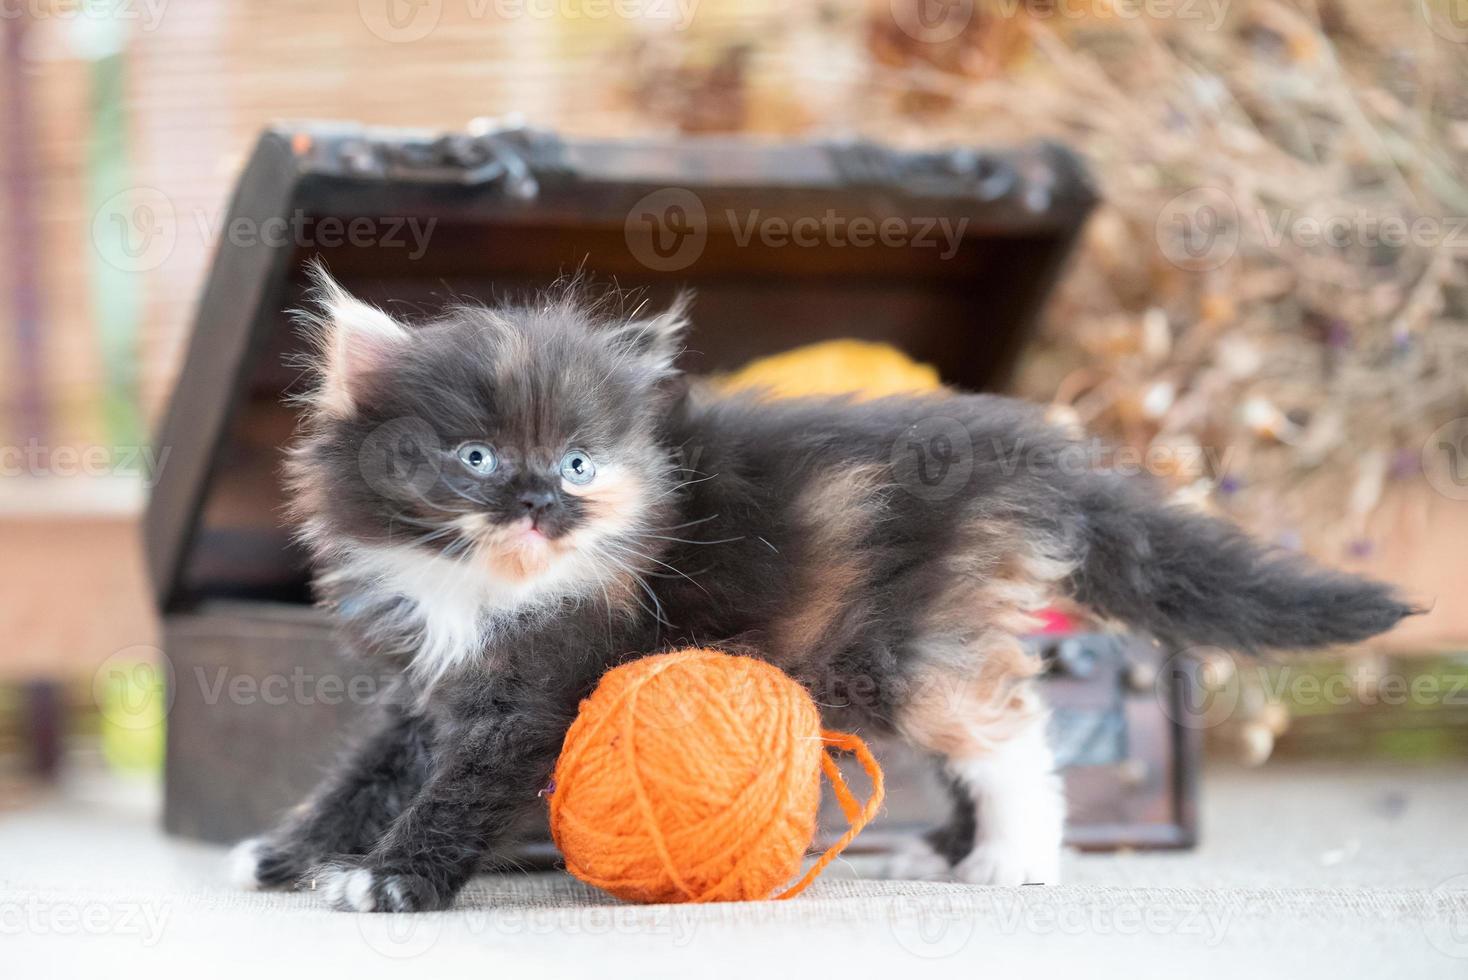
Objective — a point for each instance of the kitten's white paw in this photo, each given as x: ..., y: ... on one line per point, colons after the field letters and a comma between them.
x: 346, y: 888
x: 916, y: 860
x: 1032, y: 860
x: 244, y: 863
x: 353, y: 889
x: 1021, y: 811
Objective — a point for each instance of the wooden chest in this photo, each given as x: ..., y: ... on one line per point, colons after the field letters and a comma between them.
x: 785, y: 245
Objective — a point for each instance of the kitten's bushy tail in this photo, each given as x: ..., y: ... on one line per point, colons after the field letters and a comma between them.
x: 1193, y: 579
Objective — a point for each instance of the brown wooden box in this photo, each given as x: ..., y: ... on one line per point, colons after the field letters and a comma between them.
x: 261, y: 697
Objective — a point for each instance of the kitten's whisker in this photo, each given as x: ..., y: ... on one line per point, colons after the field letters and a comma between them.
x: 477, y: 501
x: 677, y: 571
x: 701, y: 520
x: 658, y: 614
x: 433, y: 536
x: 680, y: 575
x: 686, y: 483
x: 608, y: 600
x: 399, y: 516
x: 456, y: 548
x: 436, y: 532
x: 663, y: 537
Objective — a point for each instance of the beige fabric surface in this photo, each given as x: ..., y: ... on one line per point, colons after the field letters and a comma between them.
x: 1306, y: 872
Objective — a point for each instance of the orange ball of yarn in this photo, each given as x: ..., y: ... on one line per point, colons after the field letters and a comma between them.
x: 694, y: 776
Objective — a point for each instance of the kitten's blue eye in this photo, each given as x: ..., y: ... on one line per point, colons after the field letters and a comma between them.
x: 478, y: 457
x: 577, y: 467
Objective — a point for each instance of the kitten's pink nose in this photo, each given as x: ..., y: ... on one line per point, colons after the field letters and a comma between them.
x: 535, y: 502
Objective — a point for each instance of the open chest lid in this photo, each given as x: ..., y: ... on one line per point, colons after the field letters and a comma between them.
x: 947, y: 255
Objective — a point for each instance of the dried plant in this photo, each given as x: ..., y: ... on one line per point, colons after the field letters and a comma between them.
x: 1276, y: 275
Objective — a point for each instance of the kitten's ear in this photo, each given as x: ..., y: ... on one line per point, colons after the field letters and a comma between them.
x: 352, y: 340
x: 658, y: 338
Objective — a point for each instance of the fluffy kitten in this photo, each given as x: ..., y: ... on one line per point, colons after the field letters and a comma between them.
x: 505, y: 502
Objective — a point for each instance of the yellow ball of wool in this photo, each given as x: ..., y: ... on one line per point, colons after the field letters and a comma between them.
x: 694, y: 776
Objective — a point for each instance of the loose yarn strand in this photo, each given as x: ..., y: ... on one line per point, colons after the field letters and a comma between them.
x: 858, y: 815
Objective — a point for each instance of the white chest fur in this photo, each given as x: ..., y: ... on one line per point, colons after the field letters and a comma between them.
x: 451, y: 608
